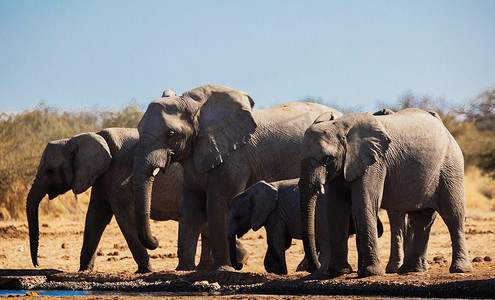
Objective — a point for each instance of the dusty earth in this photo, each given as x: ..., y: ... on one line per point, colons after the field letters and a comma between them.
x: 61, y: 241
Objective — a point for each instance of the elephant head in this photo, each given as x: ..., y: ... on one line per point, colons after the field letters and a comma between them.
x: 212, y: 120
x: 249, y: 210
x: 65, y: 164
x: 342, y: 148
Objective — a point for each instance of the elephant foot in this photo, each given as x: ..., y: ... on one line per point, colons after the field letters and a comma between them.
x: 186, y: 267
x: 317, y: 276
x: 371, y: 270
x: 85, y: 269
x: 142, y: 270
x: 301, y: 266
x: 461, y: 266
x: 336, y: 272
x: 392, y: 268
x: 204, y: 264
x: 278, y: 271
x: 419, y: 267
x: 223, y: 268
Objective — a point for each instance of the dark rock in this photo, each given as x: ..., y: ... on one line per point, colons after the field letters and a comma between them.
x: 439, y: 259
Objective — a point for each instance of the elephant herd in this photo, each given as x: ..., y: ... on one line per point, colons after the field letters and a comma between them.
x: 302, y: 170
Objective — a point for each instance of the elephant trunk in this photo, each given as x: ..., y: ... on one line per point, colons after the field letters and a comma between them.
x: 146, y: 167
x: 233, y: 253
x: 142, y: 194
x: 34, y: 198
x: 309, y: 184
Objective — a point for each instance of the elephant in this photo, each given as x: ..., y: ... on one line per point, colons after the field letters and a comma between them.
x: 406, y: 161
x: 224, y: 145
x: 102, y: 160
x: 400, y: 228
x: 275, y: 206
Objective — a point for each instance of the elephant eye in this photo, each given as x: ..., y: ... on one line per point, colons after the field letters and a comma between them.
x: 50, y: 171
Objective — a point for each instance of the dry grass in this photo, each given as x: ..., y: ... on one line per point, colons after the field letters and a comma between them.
x: 480, y: 190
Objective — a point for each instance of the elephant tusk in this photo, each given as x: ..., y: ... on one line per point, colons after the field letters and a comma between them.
x: 296, y: 189
x: 127, y: 180
x: 155, y: 171
x: 322, y: 189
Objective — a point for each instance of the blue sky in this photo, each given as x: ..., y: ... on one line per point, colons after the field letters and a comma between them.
x: 106, y: 54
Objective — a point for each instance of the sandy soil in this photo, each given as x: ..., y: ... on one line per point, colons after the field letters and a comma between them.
x: 61, y: 241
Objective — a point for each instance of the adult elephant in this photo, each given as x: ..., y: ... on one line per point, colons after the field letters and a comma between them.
x: 406, y: 161
x: 103, y: 160
x: 223, y: 145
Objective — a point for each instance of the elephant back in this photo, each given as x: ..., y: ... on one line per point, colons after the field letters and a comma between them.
x: 299, y: 115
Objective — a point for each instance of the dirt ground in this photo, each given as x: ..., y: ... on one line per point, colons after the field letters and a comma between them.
x: 61, y: 241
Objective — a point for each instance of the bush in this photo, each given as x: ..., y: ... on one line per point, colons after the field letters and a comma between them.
x: 128, y: 117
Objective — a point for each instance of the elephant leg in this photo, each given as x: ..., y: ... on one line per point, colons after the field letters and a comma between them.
x: 408, y: 235
x: 365, y: 204
x: 277, y: 244
x: 339, y: 214
x: 125, y: 219
x: 452, y: 209
x: 222, y: 186
x: 322, y: 245
x: 192, y: 218
x: 217, y: 210
x: 397, y: 221
x: 421, y: 222
x: 97, y: 218
x: 206, y: 260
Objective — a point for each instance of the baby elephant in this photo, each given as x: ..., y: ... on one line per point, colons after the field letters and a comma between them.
x: 275, y: 206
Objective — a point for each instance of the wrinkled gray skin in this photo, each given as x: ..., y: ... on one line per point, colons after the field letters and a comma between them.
x: 406, y: 161
x: 401, y: 232
x: 103, y: 160
x: 400, y: 236
x: 275, y: 206
x: 224, y: 145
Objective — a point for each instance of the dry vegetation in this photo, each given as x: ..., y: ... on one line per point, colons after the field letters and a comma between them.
x: 24, y: 135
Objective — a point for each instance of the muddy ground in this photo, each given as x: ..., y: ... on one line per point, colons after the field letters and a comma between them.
x: 61, y: 240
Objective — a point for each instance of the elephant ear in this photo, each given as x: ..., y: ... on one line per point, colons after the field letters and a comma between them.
x: 90, y: 159
x: 326, y: 116
x: 225, y: 123
x: 366, y: 142
x: 263, y: 199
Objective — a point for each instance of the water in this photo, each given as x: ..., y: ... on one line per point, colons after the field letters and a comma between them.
x: 94, y: 293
